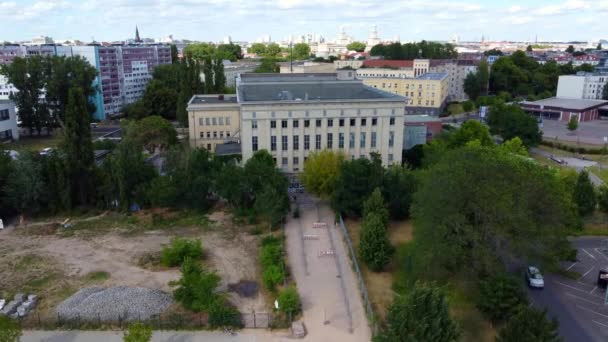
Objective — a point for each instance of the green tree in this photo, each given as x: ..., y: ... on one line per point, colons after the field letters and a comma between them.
x: 483, y: 76
x: 470, y: 131
x: 374, y: 204
x: 6, y: 165
x: 602, y: 198
x: 28, y: 76
x: 356, y: 181
x: 219, y: 79
x: 272, y: 50
x: 10, y: 329
x: 25, y: 188
x: 515, y: 146
x: 78, y: 146
x: 321, y: 170
x: 599, y: 46
x: 153, y: 133
x: 510, y: 121
x: 500, y: 297
x: 179, y: 249
x: 572, y: 124
x: 529, y: 324
x: 138, y: 332
x: 161, y: 100
x: 471, y: 86
x: 193, y: 172
x: 356, y: 46
x: 465, y: 205
x: 135, y: 111
x: 289, y: 300
x: 493, y: 52
x: 422, y: 314
x: 605, y: 92
x: 223, y: 314
x: 374, y: 248
x: 398, y: 187
x: 529, y: 48
x: 272, y: 204
x: 301, y: 51
x: 199, y: 51
x: 584, y: 194
x: 257, y: 48
x: 174, y: 54
x: 196, y: 290
x: 208, y: 74
x: 570, y: 49
x: 230, y: 52
x: 268, y: 65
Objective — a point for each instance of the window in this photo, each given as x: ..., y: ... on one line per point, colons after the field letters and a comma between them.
x: 208, y: 135
x: 296, y: 142
x: 374, y: 121
x: 284, y: 123
x: 296, y: 161
x: 284, y: 161
x: 318, y: 122
x: 330, y: 140
x: 296, y: 123
x: 353, y: 122
x: 307, y: 142
x: 318, y: 141
x: 392, y: 121
x: 207, y: 121
x: 391, y: 139
x: 373, y: 140
x: 341, y: 122
x: 351, y: 140
x: 227, y: 120
x: 363, y: 122
x: 201, y: 121
x: 341, y: 140
x: 221, y: 121
x: 254, y: 143
x: 390, y: 158
x: 273, y: 124
x: 214, y: 120
x: 221, y: 134
x: 330, y: 122
x: 228, y: 134
x: 362, y: 140
x: 306, y: 123
x: 273, y: 143
x: 284, y: 145
x: 214, y: 134
x: 202, y: 134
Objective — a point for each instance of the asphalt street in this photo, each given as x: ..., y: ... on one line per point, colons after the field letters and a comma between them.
x: 577, y: 304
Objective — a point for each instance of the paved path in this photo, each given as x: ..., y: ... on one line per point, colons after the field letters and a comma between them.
x: 332, y: 306
x: 575, y: 163
x: 249, y: 335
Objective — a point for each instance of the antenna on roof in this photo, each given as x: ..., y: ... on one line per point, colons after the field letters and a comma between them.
x: 290, y: 57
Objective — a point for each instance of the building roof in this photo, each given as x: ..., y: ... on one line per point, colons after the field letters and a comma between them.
x: 387, y: 63
x: 227, y: 149
x: 566, y: 103
x: 287, y: 77
x: 420, y: 119
x: 434, y: 76
x: 212, y: 99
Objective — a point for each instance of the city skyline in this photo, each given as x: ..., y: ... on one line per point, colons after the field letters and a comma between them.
x: 211, y: 20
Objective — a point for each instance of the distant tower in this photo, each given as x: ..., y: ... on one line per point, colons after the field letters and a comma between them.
x: 137, y: 39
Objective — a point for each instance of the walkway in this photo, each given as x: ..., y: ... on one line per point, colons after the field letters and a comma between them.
x: 333, y: 309
x: 575, y: 163
x: 249, y: 335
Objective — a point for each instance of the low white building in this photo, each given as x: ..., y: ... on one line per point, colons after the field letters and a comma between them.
x: 8, y: 121
x: 583, y: 85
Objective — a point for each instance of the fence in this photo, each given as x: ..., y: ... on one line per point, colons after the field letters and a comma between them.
x: 362, y: 288
x: 169, y: 321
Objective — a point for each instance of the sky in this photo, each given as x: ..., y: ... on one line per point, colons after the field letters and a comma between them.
x: 248, y: 20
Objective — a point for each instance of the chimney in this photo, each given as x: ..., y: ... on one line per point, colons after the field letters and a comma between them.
x: 220, y: 97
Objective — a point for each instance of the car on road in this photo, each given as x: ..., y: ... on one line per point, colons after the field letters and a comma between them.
x: 46, y: 151
x: 534, y: 278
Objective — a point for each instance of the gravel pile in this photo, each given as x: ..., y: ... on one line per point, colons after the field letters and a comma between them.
x: 114, y: 304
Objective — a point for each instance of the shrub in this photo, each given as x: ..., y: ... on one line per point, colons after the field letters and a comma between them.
x: 271, y: 255
x: 272, y: 276
x: 375, y: 248
x: 529, y: 324
x: 289, y: 300
x: 10, y: 329
x: 602, y: 198
x: 468, y: 106
x: 196, y: 289
x: 138, y: 332
x: 500, y: 297
x: 179, y: 249
x: 222, y: 314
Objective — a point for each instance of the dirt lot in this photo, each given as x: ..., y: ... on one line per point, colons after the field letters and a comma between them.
x: 109, y: 251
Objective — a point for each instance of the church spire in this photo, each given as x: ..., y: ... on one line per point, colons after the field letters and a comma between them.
x: 137, y: 39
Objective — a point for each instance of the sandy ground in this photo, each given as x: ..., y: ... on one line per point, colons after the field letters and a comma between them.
x: 233, y: 256
x: 325, y: 304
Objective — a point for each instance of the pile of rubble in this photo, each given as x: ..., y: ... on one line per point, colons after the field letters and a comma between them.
x: 19, y: 307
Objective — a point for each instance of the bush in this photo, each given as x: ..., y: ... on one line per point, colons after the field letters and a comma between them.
x: 196, y: 289
x: 272, y: 276
x: 10, y: 329
x: 289, y: 300
x: 529, y: 324
x: 468, y: 106
x: 271, y: 255
x: 500, y: 297
x: 602, y: 198
x: 160, y: 192
x: 178, y: 250
x: 375, y: 248
x: 138, y: 332
x: 222, y: 314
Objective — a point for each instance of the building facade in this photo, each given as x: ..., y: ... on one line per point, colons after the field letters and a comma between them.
x: 563, y: 109
x: 293, y: 115
x: 8, y: 122
x: 306, y: 67
x: 582, y: 85
x: 427, y: 93
x: 213, y: 120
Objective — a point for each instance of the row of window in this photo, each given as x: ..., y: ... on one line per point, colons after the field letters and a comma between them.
x: 296, y: 160
x: 215, y: 134
x: 329, y: 142
x: 319, y: 123
x: 215, y: 121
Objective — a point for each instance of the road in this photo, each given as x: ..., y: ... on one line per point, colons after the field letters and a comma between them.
x: 577, y: 304
x: 159, y: 336
x: 575, y: 163
x: 331, y: 304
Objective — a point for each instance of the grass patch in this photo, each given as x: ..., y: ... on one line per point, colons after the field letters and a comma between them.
x: 34, y: 144
x: 602, y: 174
x: 97, y: 277
x: 595, y: 225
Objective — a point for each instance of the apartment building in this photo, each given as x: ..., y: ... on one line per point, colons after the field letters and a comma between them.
x: 426, y: 94
x: 306, y: 67
x: 213, y: 120
x: 8, y: 122
x: 583, y: 85
x: 293, y: 115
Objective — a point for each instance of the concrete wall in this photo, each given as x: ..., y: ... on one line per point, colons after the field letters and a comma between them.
x: 8, y: 123
x: 571, y: 86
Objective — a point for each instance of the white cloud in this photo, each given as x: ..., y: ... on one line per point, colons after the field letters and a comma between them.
x: 514, y: 9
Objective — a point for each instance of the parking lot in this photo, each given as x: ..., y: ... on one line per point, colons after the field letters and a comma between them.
x: 578, y: 304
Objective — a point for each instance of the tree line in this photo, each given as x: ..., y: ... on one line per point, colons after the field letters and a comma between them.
x: 273, y: 50
x: 408, y: 51
x: 202, y: 51
x: 43, y: 84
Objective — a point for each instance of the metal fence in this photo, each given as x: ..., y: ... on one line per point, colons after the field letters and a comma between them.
x: 362, y: 288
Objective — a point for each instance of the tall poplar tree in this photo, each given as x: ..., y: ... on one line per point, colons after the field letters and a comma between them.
x: 219, y: 79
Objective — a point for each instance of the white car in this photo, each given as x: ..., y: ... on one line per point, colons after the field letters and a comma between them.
x: 534, y: 277
x: 46, y: 151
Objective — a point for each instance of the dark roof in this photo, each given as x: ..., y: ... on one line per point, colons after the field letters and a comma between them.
x: 250, y: 77
x: 226, y: 149
x: 202, y: 99
x: 312, y: 91
x: 387, y: 63
x: 436, y: 76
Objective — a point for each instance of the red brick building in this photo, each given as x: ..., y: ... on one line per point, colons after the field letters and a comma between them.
x: 563, y: 109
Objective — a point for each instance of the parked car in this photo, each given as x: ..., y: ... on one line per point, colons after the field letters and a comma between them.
x: 46, y: 151
x: 534, y: 277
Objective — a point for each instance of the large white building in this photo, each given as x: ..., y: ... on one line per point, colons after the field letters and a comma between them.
x: 8, y: 121
x: 293, y: 115
x: 583, y: 85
